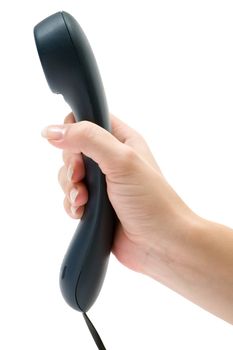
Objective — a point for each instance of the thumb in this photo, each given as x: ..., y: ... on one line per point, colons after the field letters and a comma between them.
x: 90, y: 139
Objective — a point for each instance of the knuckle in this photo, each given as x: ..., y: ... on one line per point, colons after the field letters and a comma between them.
x: 138, y: 137
x: 83, y: 130
x: 91, y: 132
x: 128, y: 157
x: 86, y: 129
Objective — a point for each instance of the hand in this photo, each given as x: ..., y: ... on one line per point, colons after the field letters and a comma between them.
x: 149, y: 211
x: 157, y: 234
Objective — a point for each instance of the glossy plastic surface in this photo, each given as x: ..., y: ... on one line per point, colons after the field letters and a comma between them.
x: 71, y: 70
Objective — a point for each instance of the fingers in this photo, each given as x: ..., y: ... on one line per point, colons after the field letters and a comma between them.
x: 73, y: 161
x: 69, y: 177
x: 113, y: 152
x: 74, y: 166
x: 76, y: 194
x: 88, y: 138
x: 118, y: 128
x: 74, y: 212
x: 127, y: 135
x: 132, y: 138
x: 122, y: 131
x: 69, y: 118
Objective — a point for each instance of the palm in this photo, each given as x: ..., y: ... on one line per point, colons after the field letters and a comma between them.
x: 126, y: 247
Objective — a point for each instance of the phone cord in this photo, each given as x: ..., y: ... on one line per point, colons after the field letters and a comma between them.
x: 94, y: 333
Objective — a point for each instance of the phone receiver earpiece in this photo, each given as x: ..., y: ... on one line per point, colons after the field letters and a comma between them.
x: 71, y: 70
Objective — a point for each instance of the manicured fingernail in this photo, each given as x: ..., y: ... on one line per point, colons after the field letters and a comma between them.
x: 73, y: 195
x: 73, y: 211
x: 54, y: 132
x: 70, y: 172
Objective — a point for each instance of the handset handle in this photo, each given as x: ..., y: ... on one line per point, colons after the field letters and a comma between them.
x: 71, y: 70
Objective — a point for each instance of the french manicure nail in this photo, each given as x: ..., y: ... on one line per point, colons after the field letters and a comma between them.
x: 73, y: 195
x: 70, y: 172
x: 54, y: 132
x: 74, y: 211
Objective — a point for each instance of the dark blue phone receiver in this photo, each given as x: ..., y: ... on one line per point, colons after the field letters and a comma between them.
x: 71, y: 70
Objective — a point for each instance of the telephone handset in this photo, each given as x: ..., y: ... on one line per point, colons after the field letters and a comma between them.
x: 71, y: 70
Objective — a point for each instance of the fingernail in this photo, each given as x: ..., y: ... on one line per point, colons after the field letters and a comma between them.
x: 73, y: 195
x: 70, y: 172
x: 74, y: 211
x: 54, y: 132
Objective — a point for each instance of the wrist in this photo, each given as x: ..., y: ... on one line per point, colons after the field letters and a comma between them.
x: 170, y: 252
x: 196, y: 263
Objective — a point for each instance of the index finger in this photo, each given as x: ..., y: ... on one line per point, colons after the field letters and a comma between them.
x: 69, y: 118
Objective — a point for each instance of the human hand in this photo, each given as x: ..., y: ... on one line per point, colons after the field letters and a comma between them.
x: 150, y: 213
x: 157, y: 234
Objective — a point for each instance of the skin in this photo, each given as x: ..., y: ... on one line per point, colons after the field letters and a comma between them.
x: 157, y: 233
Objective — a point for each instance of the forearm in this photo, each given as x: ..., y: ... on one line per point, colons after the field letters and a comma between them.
x: 196, y: 262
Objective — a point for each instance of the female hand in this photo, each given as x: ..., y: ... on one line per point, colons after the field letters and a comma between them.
x: 145, y: 204
x: 157, y: 234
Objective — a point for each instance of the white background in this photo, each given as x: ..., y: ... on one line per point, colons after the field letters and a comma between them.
x: 167, y: 68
